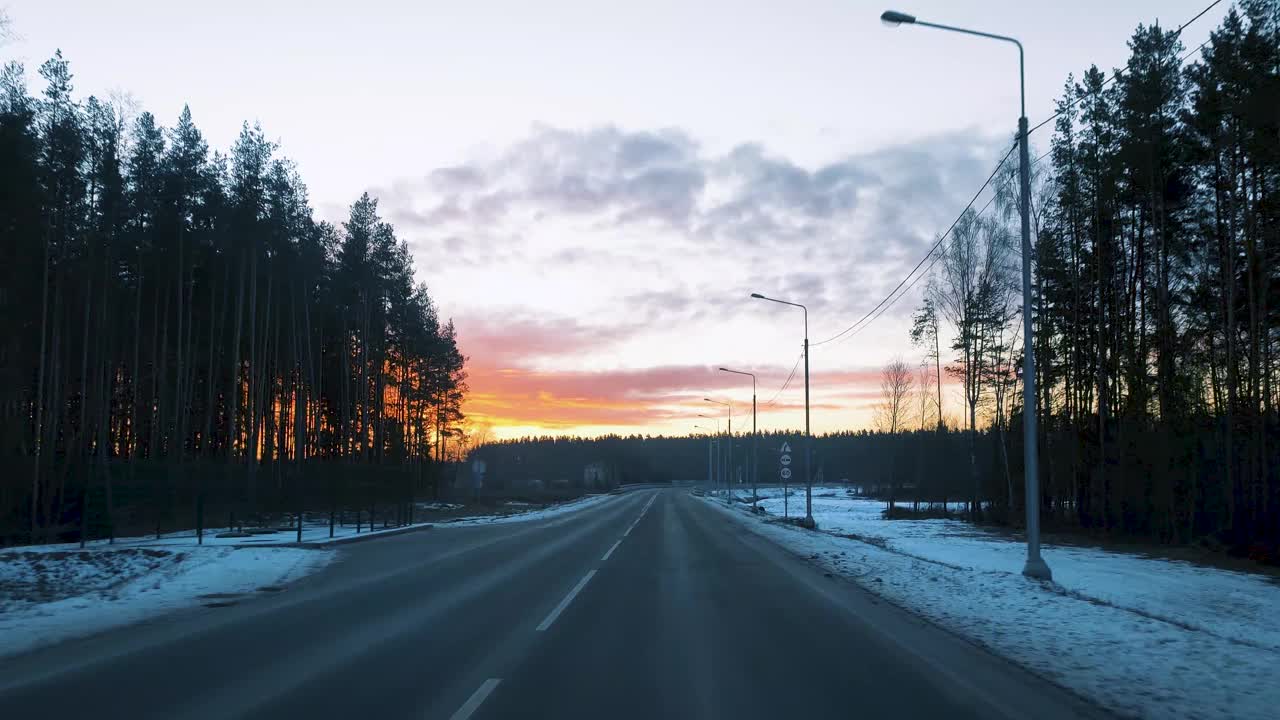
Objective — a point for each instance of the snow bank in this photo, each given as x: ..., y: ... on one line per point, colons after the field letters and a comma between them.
x: 315, y: 530
x: 49, y: 596
x: 1143, y: 636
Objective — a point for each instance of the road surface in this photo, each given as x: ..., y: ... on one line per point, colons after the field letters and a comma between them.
x: 649, y: 605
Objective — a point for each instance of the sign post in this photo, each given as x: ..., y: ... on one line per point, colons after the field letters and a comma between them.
x: 477, y: 478
x: 784, y: 471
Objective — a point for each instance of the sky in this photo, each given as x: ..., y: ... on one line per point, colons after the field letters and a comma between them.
x: 593, y: 190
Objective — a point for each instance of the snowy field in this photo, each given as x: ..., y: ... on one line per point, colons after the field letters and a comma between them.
x: 1143, y: 636
x: 48, y: 596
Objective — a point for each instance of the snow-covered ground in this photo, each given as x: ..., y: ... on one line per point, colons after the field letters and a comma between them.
x: 47, y: 596
x: 1143, y: 636
x: 54, y: 592
x: 316, y: 531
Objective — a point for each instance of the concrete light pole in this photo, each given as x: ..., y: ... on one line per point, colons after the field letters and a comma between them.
x: 755, y: 437
x: 710, y: 446
x: 1035, y: 566
x: 714, y: 452
x: 729, y: 459
x: 808, y: 436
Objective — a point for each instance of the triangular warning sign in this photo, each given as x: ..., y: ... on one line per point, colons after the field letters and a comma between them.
x: 786, y: 446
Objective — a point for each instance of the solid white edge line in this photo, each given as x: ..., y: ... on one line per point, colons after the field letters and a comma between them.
x: 477, y: 697
x: 615, y: 547
x: 565, y: 602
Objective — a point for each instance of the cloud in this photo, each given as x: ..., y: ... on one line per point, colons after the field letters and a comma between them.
x: 623, y: 397
x: 518, y: 339
x: 650, y: 231
x: 867, y: 207
x: 508, y: 387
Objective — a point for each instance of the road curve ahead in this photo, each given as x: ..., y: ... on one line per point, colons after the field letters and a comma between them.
x: 647, y: 605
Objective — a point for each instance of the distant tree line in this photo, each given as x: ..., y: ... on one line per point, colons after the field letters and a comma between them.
x: 530, y: 464
x: 880, y: 464
x: 176, y: 327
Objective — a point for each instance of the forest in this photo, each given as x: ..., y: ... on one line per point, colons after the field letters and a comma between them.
x: 181, y: 339
x: 1156, y: 313
x: 1156, y: 223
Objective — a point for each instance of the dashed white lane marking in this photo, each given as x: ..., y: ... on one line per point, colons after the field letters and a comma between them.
x: 641, y: 516
x: 615, y: 547
x: 565, y: 602
x: 476, y: 699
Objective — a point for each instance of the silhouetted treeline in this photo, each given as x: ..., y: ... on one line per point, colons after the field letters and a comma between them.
x: 175, y: 322
x: 858, y: 458
x: 1159, y: 234
x: 606, y: 461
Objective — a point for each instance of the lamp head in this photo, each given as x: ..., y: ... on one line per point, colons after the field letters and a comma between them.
x: 895, y: 18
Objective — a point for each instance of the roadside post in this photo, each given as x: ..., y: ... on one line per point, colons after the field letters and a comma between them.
x: 784, y: 471
x: 477, y: 478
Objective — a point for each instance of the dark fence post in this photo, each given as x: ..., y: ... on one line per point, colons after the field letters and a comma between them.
x: 200, y: 512
x: 84, y: 513
x: 302, y: 504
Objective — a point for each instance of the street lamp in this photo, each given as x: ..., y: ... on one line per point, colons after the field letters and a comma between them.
x: 808, y: 437
x: 729, y: 460
x: 710, y: 445
x: 755, y: 438
x: 1035, y: 567
x: 713, y: 456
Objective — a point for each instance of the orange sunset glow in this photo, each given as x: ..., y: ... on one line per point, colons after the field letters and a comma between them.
x: 511, y: 400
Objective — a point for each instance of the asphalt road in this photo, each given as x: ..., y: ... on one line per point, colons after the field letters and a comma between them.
x: 648, y: 605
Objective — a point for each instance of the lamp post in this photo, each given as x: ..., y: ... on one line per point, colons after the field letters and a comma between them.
x: 728, y: 460
x: 755, y: 438
x: 808, y: 437
x: 710, y: 444
x: 713, y: 454
x: 1035, y: 566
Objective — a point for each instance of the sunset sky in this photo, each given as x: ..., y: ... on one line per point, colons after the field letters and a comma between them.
x: 592, y: 191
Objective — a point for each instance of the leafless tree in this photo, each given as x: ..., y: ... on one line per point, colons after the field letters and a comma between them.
x: 973, y: 278
x: 926, y: 402
x: 930, y: 413
x: 894, y: 410
x: 895, y: 391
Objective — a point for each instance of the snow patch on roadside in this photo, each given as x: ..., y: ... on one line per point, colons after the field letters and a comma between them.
x: 1098, y: 630
x: 50, y: 596
x: 1234, y: 605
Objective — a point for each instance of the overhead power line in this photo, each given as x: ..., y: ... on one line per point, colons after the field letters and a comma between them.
x: 786, y: 384
x: 941, y: 238
x: 1115, y: 75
